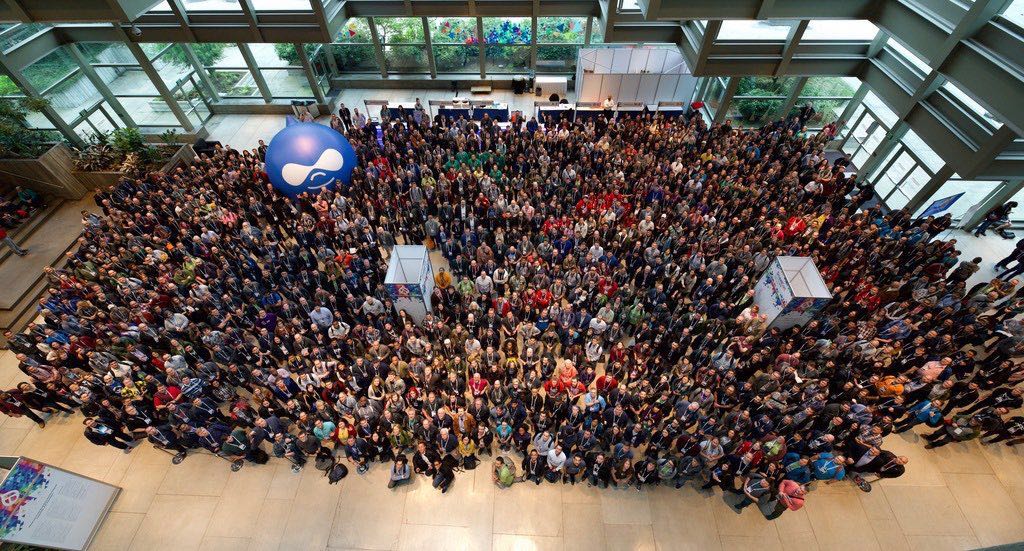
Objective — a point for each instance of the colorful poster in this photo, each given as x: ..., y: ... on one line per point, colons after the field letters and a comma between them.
x: 772, y: 292
x: 45, y: 506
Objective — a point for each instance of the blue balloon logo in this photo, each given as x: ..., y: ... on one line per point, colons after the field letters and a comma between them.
x: 309, y: 157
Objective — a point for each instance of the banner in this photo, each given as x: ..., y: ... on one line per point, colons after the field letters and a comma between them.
x: 45, y: 506
x: 940, y: 205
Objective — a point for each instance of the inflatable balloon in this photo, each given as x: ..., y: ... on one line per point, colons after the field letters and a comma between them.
x: 308, y: 157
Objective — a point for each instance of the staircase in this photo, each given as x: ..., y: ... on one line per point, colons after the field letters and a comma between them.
x: 18, y: 309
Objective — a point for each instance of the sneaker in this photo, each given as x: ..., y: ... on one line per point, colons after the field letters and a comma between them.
x: 127, y: 450
x: 296, y: 469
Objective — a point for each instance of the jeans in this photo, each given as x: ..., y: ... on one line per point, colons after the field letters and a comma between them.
x: 442, y: 481
x: 14, y: 246
x: 396, y: 483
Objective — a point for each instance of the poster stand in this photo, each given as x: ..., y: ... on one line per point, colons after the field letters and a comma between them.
x: 45, y: 506
x: 791, y: 292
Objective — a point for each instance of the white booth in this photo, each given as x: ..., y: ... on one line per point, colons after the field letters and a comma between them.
x: 646, y: 74
x: 410, y: 280
x: 791, y: 292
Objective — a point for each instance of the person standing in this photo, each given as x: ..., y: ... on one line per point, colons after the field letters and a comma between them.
x: 102, y: 433
x: 346, y: 115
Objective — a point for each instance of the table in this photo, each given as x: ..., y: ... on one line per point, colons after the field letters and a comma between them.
x: 393, y: 108
x: 564, y: 111
x: 454, y: 112
x: 672, y: 112
x: 497, y: 112
x: 552, y: 85
x: 632, y: 111
x: 591, y: 113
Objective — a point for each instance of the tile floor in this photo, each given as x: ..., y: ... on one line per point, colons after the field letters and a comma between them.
x: 961, y: 496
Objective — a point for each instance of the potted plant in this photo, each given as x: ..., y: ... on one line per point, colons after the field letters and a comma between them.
x: 35, y: 159
x: 111, y: 156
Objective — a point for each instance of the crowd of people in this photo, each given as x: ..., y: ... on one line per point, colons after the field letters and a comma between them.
x: 593, y: 319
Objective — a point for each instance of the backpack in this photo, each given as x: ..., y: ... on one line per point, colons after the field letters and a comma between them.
x: 258, y: 456
x: 324, y: 461
x: 337, y: 472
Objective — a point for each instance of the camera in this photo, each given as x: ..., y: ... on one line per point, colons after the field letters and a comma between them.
x: 136, y: 31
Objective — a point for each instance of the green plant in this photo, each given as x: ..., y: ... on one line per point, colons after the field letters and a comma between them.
x: 17, y: 140
x: 169, y: 137
x: 208, y: 53
x: 127, y: 140
x: 96, y: 157
x: 34, y: 104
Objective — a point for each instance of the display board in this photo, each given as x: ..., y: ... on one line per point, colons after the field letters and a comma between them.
x: 647, y: 74
x: 410, y: 280
x: 44, y: 506
x: 791, y: 292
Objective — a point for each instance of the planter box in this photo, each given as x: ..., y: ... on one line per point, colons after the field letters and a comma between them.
x: 106, y: 179
x: 50, y: 174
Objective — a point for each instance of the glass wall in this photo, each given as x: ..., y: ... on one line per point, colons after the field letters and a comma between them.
x: 974, y: 191
x: 829, y: 97
x: 774, y: 29
x: 404, y: 46
x: 59, y: 79
x: 508, y: 44
x: 759, y: 100
x: 830, y: 29
x: 714, y: 94
x: 558, y: 43
x: 353, y: 48
x: 282, y: 70
x: 227, y: 69
x: 455, y: 44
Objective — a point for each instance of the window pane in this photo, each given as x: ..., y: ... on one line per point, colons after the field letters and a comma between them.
x: 571, y: 30
x: 557, y: 59
x: 974, y: 191
x: 287, y: 83
x: 908, y: 56
x: 826, y: 111
x: 457, y: 59
x: 452, y: 30
x: 829, y: 29
x: 406, y: 58
x: 149, y: 111
x: 355, y: 31
x: 629, y: 5
x: 508, y: 59
x: 765, y: 86
x: 18, y: 33
x: 218, y: 54
x: 596, y: 32
x: 751, y: 112
x: 107, y: 52
x: 880, y: 109
x: 355, y: 58
x: 971, y: 105
x: 131, y: 81
x: 281, y: 5
x: 714, y: 94
x: 513, y: 30
x: 47, y: 71
x: 399, y: 30
x: 73, y: 95
x: 834, y: 87
x: 173, y: 65
x: 211, y: 5
x: 1015, y: 12
x: 275, y: 55
x: 776, y: 29
x: 234, y: 83
x: 923, y: 152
